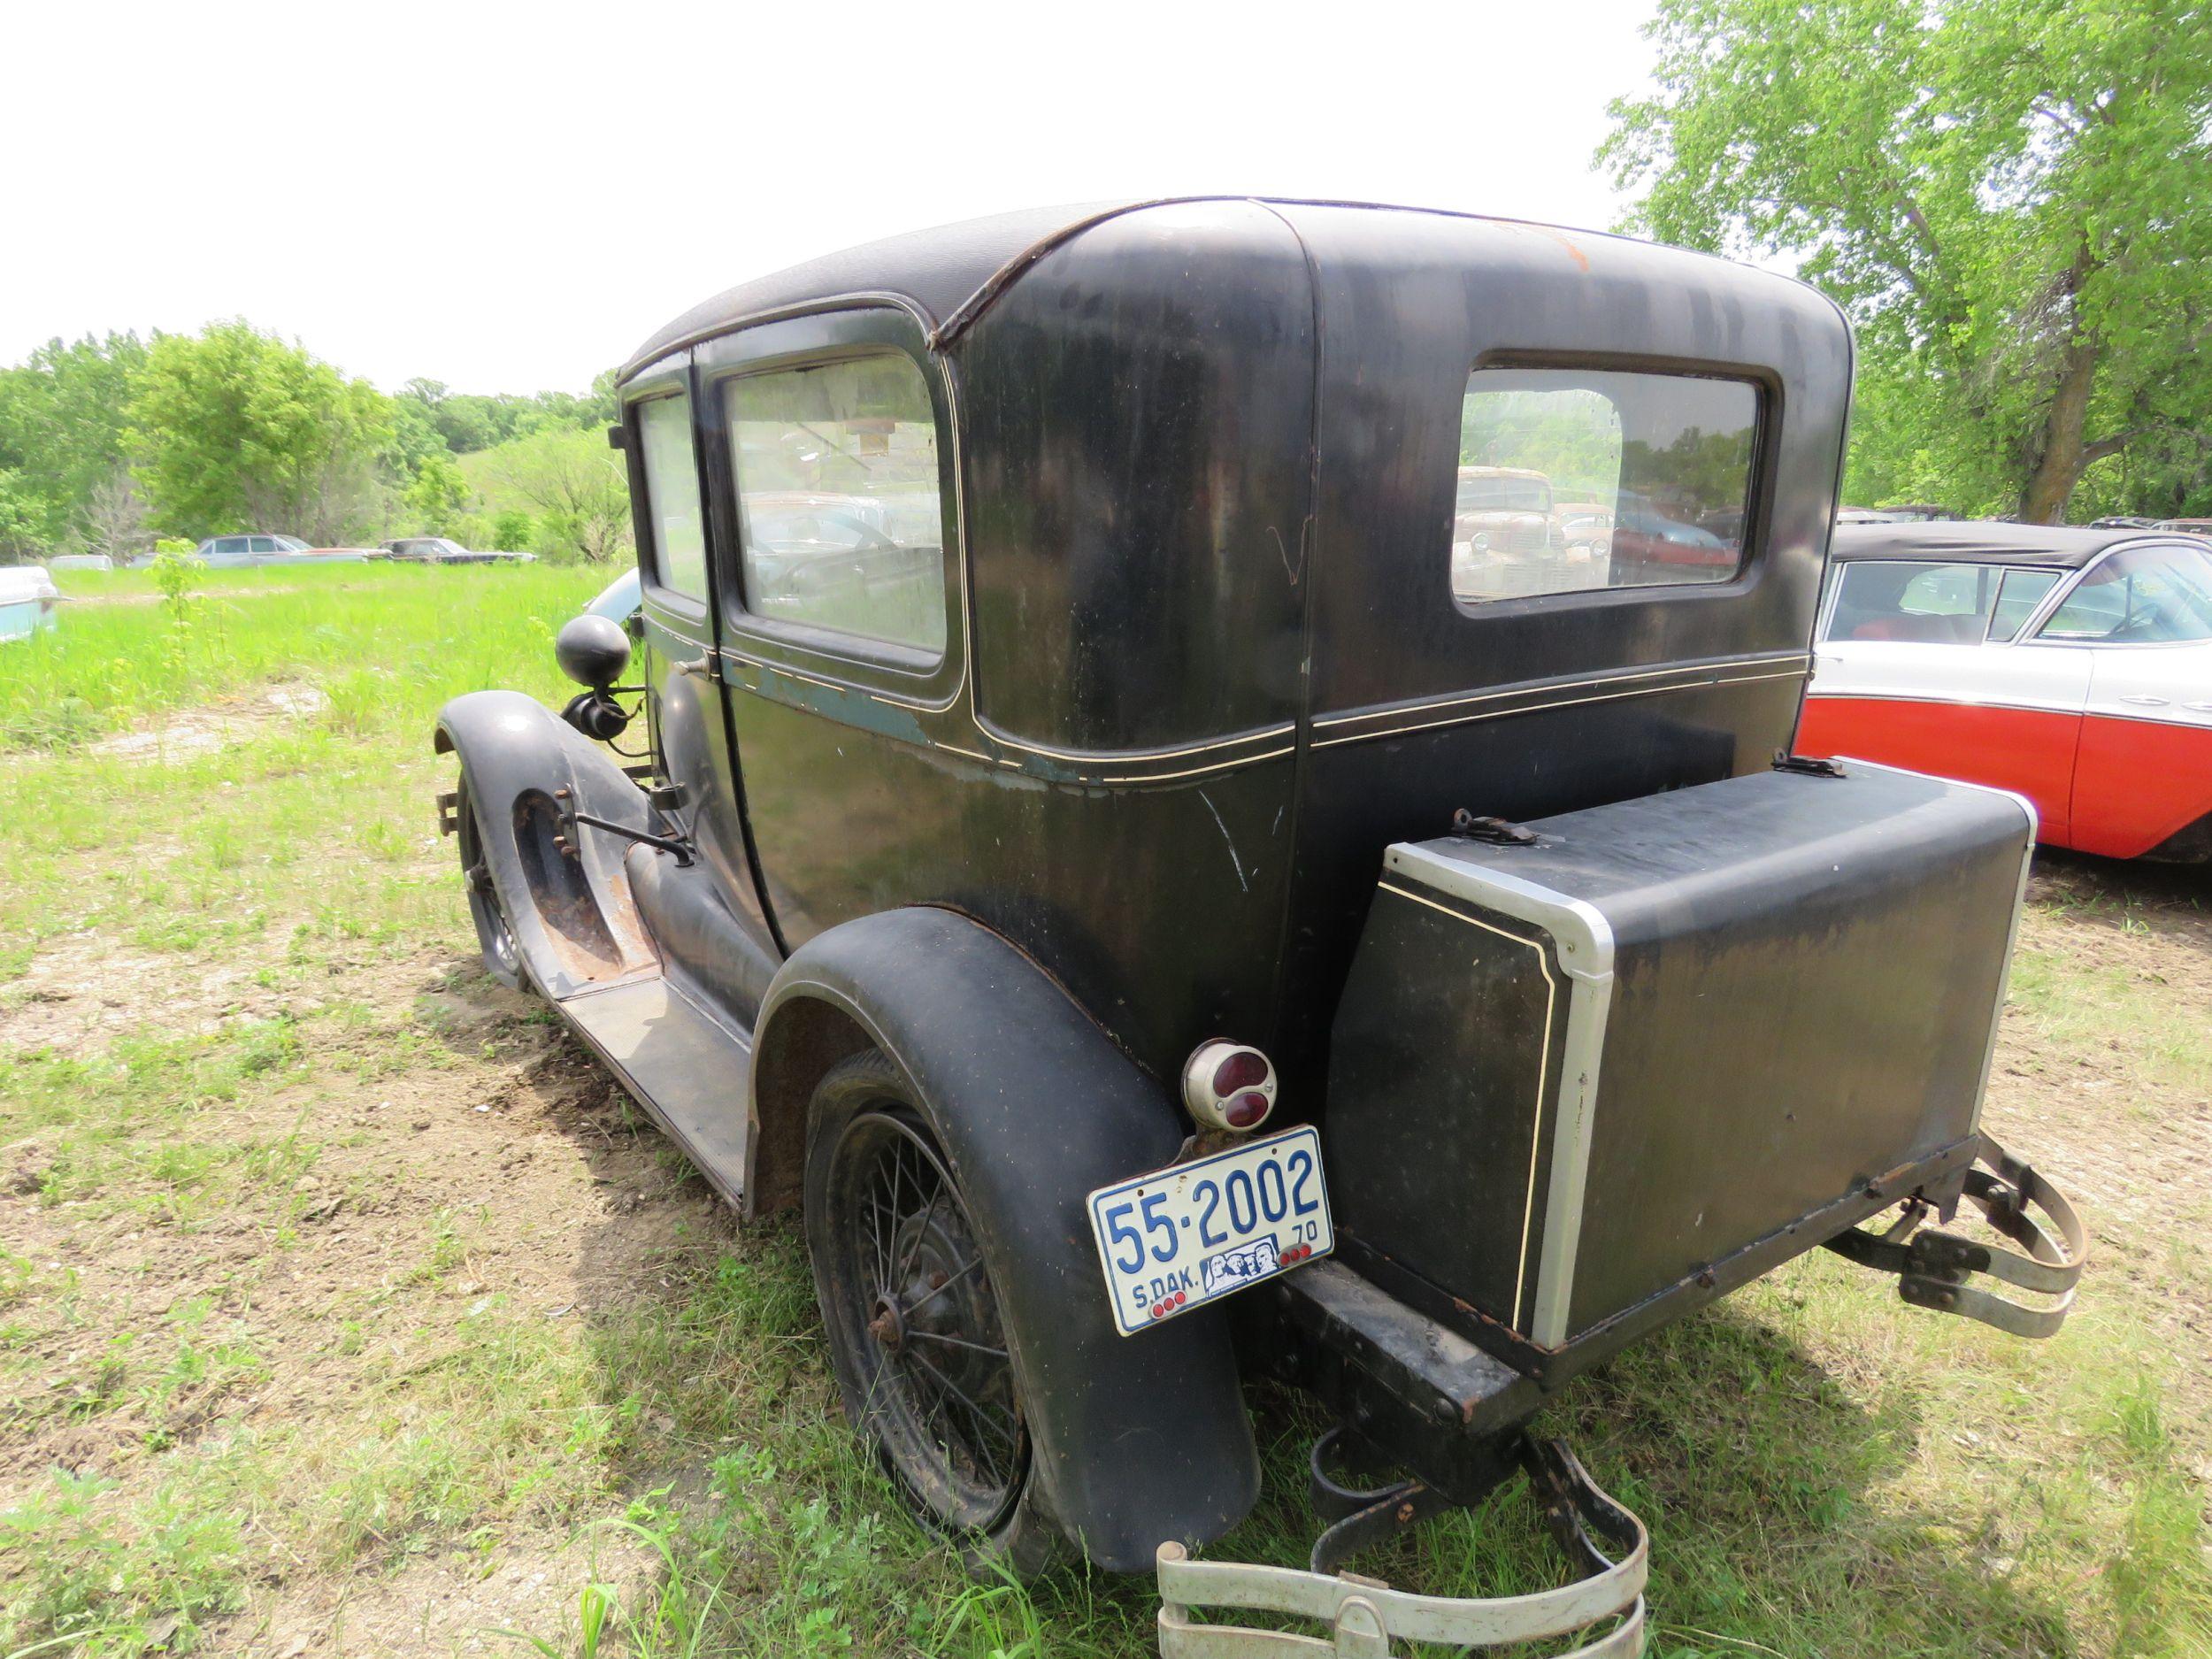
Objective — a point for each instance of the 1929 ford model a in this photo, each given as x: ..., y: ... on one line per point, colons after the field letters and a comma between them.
x: 1176, y: 893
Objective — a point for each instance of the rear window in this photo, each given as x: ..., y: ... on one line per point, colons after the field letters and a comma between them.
x: 1917, y: 604
x: 1576, y: 479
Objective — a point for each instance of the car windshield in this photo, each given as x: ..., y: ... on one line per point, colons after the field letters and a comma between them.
x: 291, y: 544
x: 2151, y: 595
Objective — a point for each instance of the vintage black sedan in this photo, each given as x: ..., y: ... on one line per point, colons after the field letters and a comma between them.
x: 1172, y: 900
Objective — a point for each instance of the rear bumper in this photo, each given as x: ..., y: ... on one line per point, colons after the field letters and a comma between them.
x: 1363, y: 1615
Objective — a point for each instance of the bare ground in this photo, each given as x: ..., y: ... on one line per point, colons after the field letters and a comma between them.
x: 573, y: 1211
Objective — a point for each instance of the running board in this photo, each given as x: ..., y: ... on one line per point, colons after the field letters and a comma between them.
x: 1363, y: 1615
x: 685, y: 1067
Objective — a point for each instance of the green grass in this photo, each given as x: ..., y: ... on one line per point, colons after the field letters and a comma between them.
x: 209, y: 1411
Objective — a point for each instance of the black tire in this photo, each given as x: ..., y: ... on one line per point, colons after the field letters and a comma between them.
x: 920, y: 1351
x: 495, y: 933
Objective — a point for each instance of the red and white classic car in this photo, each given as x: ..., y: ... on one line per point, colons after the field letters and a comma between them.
x: 2071, y: 665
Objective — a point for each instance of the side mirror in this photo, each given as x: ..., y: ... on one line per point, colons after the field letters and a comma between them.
x: 593, y: 651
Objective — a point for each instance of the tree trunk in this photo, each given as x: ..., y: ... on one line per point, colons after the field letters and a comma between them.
x: 2059, y: 463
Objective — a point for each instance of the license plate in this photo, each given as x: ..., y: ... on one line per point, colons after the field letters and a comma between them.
x: 1179, y: 1238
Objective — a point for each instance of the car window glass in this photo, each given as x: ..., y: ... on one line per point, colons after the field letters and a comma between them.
x: 261, y: 544
x: 671, y: 493
x: 1922, y: 603
x: 839, y: 519
x: 1572, y: 478
x: 2153, y: 595
x: 2017, y: 597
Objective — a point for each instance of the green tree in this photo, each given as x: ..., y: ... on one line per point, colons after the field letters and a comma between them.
x: 576, y: 484
x: 437, y: 495
x: 2008, y: 196
x: 64, y: 436
x: 22, y: 521
x: 240, y: 429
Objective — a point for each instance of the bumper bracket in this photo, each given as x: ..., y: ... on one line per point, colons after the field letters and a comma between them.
x: 1363, y: 1615
x: 1936, y: 1268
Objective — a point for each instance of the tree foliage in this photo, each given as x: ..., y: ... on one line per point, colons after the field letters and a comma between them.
x: 243, y: 431
x: 64, y: 438
x: 575, y: 485
x: 2008, y: 197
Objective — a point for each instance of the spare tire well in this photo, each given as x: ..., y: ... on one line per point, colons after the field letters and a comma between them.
x: 807, y: 1037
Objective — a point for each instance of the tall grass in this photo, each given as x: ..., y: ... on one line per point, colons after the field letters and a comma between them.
x: 406, y: 636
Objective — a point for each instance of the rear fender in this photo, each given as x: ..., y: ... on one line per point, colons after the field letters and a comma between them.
x: 1137, y: 1439
x: 572, y: 912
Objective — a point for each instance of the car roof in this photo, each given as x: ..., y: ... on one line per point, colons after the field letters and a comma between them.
x: 936, y: 271
x: 949, y: 275
x: 2064, y: 546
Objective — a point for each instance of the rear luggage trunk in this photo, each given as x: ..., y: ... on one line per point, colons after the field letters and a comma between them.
x: 1582, y: 1083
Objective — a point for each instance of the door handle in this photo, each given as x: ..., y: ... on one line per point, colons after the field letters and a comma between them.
x: 2201, y: 707
x: 2142, y: 701
x: 702, y: 666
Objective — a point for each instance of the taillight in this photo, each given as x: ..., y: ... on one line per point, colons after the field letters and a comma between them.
x: 1228, y: 1086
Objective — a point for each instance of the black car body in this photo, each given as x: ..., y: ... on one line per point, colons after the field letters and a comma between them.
x: 437, y: 549
x: 1120, y: 692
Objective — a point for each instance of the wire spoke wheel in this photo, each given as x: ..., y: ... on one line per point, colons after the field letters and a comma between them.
x: 921, y: 1323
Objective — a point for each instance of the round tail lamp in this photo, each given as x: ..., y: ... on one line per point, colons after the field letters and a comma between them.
x: 1228, y: 1086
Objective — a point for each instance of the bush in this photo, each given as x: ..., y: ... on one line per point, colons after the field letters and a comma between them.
x: 512, y: 531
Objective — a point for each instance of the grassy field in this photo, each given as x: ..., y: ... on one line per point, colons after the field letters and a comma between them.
x: 346, y: 1308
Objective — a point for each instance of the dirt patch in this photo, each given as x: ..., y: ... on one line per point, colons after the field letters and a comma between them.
x: 561, y: 1205
x: 219, y: 725
x: 82, y: 990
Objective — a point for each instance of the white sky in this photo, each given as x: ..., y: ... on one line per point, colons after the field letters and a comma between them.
x: 510, y: 198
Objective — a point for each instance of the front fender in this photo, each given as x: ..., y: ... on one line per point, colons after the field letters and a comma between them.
x: 571, y: 913
x: 1138, y: 1439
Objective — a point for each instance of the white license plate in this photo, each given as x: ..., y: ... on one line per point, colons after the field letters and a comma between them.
x: 1179, y: 1238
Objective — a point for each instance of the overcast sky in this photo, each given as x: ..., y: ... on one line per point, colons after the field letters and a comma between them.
x: 509, y: 199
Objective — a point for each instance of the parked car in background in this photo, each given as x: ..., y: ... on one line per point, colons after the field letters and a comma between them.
x: 2123, y: 521
x: 2073, y: 666
x: 2187, y: 526
x: 238, y: 552
x: 437, y: 549
x: 1862, y: 515
x: 1915, y: 512
x: 619, y: 599
x: 80, y: 562
x: 1650, y: 547
x: 1506, y: 539
x: 28, y: 600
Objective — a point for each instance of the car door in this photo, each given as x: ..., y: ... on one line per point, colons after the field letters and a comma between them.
x: 2143, y: 616
x: 680, y: 669
x: 841, y: 610
x: 1920, y: 665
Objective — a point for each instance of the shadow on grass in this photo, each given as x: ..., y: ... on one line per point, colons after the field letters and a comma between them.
x: 1788, y: 1506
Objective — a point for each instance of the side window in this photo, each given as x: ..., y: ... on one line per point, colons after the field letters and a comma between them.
x: 2017, y: 600
x: 839, y: 521
x: 2153, y: 596
x: 261, y: 544
x: 1572, y: 478
x: 672, y: 495
x: 1927, y: 604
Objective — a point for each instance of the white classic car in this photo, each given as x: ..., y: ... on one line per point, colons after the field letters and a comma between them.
x: 2073, y: 666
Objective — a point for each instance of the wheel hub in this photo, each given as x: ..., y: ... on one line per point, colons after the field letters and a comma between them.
x: 888, y: 1327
